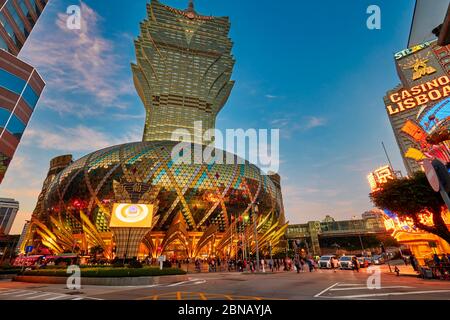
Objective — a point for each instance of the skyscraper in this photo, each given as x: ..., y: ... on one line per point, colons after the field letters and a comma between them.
x: 20, y: 84
x: 183, y: 70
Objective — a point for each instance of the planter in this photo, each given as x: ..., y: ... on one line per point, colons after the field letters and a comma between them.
x: 104, y: 281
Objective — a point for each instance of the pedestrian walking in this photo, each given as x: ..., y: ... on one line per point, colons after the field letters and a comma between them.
x: 355, y: 264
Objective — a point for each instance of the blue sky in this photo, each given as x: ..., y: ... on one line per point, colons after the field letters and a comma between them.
x: 310, y: 68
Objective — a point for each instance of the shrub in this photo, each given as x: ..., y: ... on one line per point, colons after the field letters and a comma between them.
x: 108, y: 272
x: 135, y: 264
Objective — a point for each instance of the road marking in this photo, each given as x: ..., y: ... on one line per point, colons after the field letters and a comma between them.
x: 25, y: 294
x: 323, y: 291
x: 388, y: 294
x: 11, y: 291
x: 57, y: 297
x: 366, y: 288
x: 348, y: 284
x: 40, y: 296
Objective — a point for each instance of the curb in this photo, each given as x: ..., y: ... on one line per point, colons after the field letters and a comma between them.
x: 123, y: 281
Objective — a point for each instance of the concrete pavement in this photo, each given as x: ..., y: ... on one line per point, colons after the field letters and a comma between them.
x: 321, y: 284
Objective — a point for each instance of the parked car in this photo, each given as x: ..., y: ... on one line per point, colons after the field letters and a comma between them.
x: 363, y: 262
x: 345, y: 262
x: 325, y: 262
x: 377, y: 260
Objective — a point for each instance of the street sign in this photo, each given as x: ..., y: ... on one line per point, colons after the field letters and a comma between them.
x: 431, y: 174
x: 28, y: 249
x: 161, y: 259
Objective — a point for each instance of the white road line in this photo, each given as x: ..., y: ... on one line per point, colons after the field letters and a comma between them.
x: 11, y: 292
x: 348, y: 284
x: 178, y: 283
x: 57, y: 297
x: 40, y: 296
x: 323, y: 291
x: 365, y: 288
x: 25, y: 294
x: 387, y: 294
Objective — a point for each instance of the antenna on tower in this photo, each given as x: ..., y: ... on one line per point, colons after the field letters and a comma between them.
x: 191, y: 5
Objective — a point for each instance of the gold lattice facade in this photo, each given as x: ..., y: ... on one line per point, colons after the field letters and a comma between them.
x: 183, y: 70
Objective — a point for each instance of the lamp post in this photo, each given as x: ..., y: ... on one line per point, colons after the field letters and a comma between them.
x: 255, y: 215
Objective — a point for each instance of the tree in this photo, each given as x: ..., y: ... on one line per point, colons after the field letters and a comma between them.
x: 411, y: 197
x: 96, y: 250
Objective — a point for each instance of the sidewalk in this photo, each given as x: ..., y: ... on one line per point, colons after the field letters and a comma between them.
x: 404, y: 270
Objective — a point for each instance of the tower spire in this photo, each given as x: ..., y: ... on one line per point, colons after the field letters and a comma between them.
x: 191, y: 6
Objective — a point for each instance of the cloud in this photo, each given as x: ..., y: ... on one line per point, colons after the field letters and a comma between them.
x: 291, y: 124
x: 269, y: 96
x: 314, y: 122
x: 78, y: 62
x: 76, y: 139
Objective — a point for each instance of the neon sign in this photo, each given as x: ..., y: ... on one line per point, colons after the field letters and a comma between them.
x: 379, y: 177
x: 409, y: 51
x: 419, y: 95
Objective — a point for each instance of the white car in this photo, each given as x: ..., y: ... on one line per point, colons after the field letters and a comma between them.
x: 345, y: 262
x: 325, y: 262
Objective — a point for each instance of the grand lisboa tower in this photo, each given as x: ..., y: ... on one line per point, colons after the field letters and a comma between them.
x: 135, y: 199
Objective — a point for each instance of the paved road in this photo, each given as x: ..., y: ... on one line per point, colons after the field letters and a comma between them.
x: 322, y: 284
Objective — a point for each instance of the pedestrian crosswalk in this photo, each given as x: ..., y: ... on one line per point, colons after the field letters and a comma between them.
x: 21, y: 294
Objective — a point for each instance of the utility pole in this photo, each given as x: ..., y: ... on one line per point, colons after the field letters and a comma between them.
x: 255, y: 215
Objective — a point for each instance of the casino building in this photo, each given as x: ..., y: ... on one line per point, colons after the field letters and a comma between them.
x: 20, y: 84
x: 423, y: 94
x: 136, y: 199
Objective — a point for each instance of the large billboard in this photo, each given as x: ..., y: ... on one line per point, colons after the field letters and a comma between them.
x: 128, y: 215
x: 428, y: 14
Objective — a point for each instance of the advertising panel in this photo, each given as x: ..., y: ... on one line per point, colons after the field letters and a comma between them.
x: 131, y: 215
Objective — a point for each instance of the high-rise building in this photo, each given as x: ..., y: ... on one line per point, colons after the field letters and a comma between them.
x: 133, y: 200
x: 20, y: 84
x: 422, y: 98
x: 8, y: 211
x: 17, y: 19
x: 182, y: 71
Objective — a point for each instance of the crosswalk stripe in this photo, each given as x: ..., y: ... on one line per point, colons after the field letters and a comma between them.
x: 57, y: 297
x: 40, y: 296
x: 11, y: 292
x: 366, y: 288
x: 25, y: 294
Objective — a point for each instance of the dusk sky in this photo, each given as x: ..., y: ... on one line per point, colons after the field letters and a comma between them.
x: 310, y: 68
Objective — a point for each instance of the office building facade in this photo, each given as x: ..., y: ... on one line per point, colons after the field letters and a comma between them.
x: 8, y: 212
x: 20, y: 84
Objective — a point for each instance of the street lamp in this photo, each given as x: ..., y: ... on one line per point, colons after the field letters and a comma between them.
x: 255, y: 215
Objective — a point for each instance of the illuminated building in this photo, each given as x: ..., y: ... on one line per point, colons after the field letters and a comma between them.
x: 380, y: 176
x: 182, y: 73
x: 422, y: 244
x: 20, y: 84
x: 425, y: 84
x: 135, y: 200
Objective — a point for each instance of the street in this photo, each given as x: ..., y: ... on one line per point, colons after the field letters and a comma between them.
x: 321, y: 285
